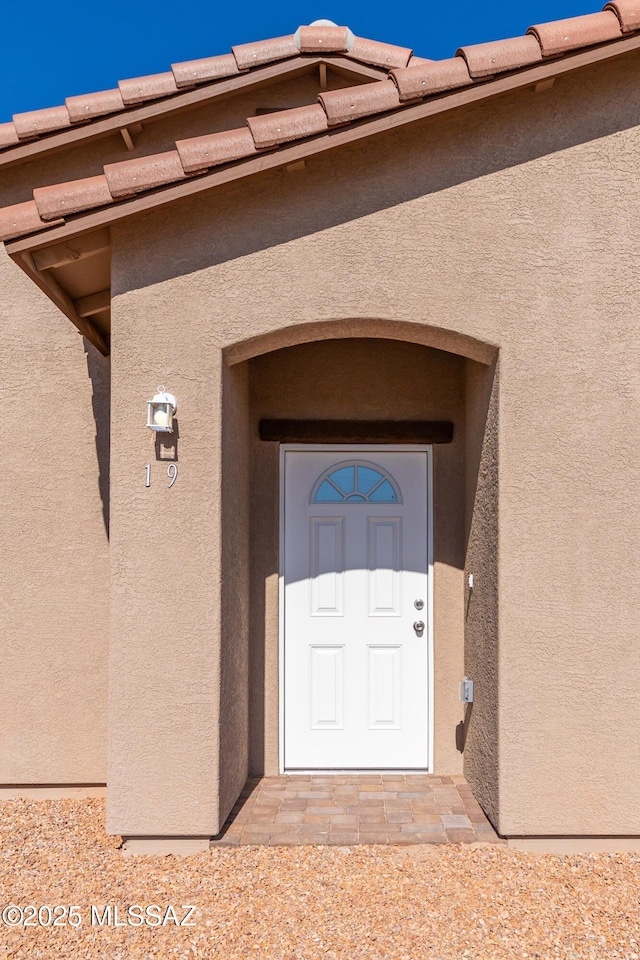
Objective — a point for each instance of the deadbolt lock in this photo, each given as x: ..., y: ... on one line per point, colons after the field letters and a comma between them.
x: 418, y: 604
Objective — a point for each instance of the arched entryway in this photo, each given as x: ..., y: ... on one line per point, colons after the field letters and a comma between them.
x: 357, y: 371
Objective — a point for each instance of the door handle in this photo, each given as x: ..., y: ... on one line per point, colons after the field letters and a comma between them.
x: 418, y: 626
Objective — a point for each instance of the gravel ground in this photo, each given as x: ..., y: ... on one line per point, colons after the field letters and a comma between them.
x: 285, y: 903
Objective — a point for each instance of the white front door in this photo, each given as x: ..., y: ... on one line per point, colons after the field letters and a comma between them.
x: 355, y: 579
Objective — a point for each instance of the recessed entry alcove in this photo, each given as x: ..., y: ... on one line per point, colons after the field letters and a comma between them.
x: 353, y: 379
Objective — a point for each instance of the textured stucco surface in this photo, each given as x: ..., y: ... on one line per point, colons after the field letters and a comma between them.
x: 166, y: 582
x: 479, y: 734
x: 54, y: 490
x: 54, y: 396
x: 238, y: 627
x: 511, y: 223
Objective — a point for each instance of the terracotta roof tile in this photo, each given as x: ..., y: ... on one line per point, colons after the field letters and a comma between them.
x: 555, y: 39
x: 560, y: 36
x: 41, y: 121
x: 197, y: 153
x: 423, y: 80
x: 628, y: 13
x: 379, y: 54
x: 8, y: 135
x: 20, y: 219
x: 264, y: 51
x: 140, y: 89
x: 341, y: 106
x: 315, y: 39
x: 409, y: 79
x: 92, y: 105
x: 129, y: 177
x: 72, y: 197
x: 273, y: 128
x: 485, y: 59
x: 200, y: 71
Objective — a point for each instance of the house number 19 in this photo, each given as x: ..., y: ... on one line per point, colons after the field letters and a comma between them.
x: 172, y: 473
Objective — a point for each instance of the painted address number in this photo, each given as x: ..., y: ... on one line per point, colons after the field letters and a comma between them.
x: 172, y: 473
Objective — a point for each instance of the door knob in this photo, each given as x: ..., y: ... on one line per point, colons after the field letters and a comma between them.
x: 418, y: 626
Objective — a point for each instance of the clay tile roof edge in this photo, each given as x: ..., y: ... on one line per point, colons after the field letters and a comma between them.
x: 13, y: 148
x: 358, y: 107
x: 618, y: 19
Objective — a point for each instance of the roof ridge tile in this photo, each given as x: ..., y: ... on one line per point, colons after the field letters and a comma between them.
x: 34, y: 122
x: 59, y: 199
x: 627, y: 12
x: 22, y: 218
x: 192, y: 72
x: 272, y: 129
x: 426, y: 79
x: 561, y: 36
x: 90, y: 105
x: 212, y: 149
x: 259, y: 52
x: 379, y: 54
x: 323, y: 39
x: 139, y: 89
x: 352, y: 103
x: 497, y: 56
x: 8, y: 135
x: 128, y: 177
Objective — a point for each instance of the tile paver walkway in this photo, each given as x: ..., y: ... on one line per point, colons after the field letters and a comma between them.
x: 356, y: 809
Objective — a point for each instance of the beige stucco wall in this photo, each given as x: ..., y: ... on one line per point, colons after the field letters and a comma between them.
x: 511, y: 223
x: 54, y: 398
x: 54, y: 492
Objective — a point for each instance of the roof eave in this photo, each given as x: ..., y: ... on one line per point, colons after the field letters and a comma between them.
x: 529, y: 76
x: 23, y: 249
x: 61, y: 299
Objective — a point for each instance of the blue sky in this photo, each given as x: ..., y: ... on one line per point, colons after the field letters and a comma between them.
x: 51, y: 50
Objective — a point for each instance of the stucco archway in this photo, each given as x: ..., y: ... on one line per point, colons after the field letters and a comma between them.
x: 367, y: 369
x: 409, y: 331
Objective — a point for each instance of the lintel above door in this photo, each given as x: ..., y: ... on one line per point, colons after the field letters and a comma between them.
x: 357, y: 431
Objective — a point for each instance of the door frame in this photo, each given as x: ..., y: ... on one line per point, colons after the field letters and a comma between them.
x: 356, y: 449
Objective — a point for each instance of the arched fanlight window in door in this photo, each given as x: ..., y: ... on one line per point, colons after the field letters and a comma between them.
x: 355, y: 481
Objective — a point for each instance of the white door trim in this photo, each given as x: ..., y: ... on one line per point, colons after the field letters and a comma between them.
x: 357, y: 449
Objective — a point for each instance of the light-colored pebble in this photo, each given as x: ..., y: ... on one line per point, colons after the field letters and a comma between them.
x: 307, y: 903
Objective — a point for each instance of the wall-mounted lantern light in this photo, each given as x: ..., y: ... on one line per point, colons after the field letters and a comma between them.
x: 161, y: 411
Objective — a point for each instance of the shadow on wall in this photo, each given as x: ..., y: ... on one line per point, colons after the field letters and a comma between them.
x: 462, y: 730
x: 478, y: 734
x: 99, y: 369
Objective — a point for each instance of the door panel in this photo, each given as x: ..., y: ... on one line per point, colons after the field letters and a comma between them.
x: 355, y: 561
x: 326, y: 537
x: 326, y: 675
x: 383, y: 567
